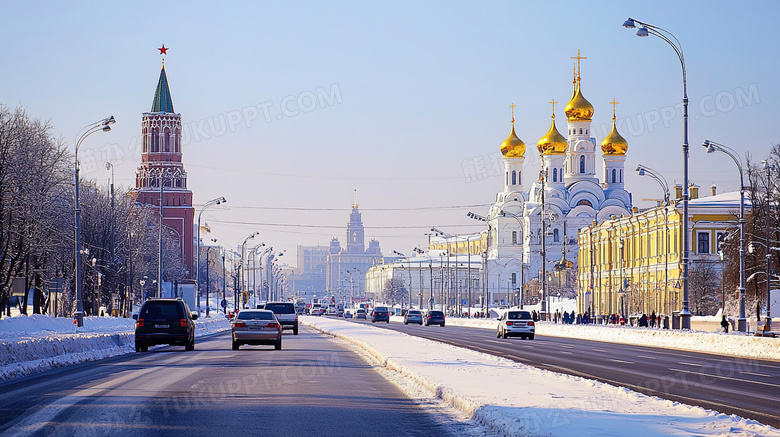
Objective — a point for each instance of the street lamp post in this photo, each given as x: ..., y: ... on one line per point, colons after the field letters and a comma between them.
x: 643, y: 31
x: 105, y: 126
x: 216, y: 201
x: 243, y: 254
x: 717, y: 147
x: 646, y: 171
x: 543, y: 179
x: 768, y: 321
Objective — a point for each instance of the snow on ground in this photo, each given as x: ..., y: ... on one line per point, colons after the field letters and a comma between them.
x: 38, y: 343
x: 515, y: 399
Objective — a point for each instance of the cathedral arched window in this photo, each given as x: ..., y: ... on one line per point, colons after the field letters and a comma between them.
x: 614, y: 176
x: 621, y: 175
x: 580, y: 130
x: 507, y: 178
x: 146, y: 142
x: 555, y: 175
x: 514, y: 177
x: 582, y: 163
x: 155, y: 140
x: 166, y: 140
x: 514, y: 237
x: 538, y: 236
x: 556, y: 236
x: 514, y: 280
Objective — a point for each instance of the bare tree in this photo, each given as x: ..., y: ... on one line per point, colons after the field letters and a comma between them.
x: 704, y: 288
x: 395, y: 291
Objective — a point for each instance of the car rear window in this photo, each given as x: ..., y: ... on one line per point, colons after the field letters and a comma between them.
x: 435, y: 314
x: 380, y: 309
x: 281, y: 308
x: 255, y: 315
x: 414, y: 313
x: 160, y: 310
x: 519, y: 315
x: 361, y: 311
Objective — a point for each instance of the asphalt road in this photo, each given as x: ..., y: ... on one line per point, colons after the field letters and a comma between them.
x: 746, y: 387
x: 313, y: 386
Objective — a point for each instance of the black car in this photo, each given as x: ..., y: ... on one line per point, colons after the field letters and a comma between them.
x: 434, y: 318
x: 164, y: 321
x: 380, y: 314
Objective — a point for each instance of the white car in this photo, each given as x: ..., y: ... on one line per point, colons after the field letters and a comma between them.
x: 516, y: 324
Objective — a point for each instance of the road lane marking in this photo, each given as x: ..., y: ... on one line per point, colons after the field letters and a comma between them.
x: 646, y: 357
x: 620, y: 361
x: 757, y: 374
x: 690, y: 364
x: 599, y: 350
x: 724, y: 377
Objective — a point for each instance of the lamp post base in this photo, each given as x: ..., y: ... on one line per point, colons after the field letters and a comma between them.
x: 685, y: 320
x: 79, y: 316
x: 742, y: 324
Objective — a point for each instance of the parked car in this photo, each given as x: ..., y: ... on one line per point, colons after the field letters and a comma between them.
x: 516, y: 324
x: 434, y: 317
x: 256, y: 327
x: 380, y: 314
x: 360, y: 313
x: 332, y: 311
x: 348, y: 313
x: 285, y: 314
x: 413, y: 316
x: 164, y: 321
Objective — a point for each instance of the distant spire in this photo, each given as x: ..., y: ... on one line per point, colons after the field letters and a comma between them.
x: 162, y: 95
x: 553, y: 102
x: 355, y: 204
x: 513, y: 106
x: 578, y: 58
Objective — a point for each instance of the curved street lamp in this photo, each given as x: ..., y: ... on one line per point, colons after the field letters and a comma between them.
x: 212, y: 202
x: 644, y: 30
x: 712, y: 147
x: 105, y: 126
x: 647, y: 171
x: 768, y: 321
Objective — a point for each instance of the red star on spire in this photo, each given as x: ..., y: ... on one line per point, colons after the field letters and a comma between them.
x: 163, y: 50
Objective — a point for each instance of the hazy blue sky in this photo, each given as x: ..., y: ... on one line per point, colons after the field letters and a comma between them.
x: 411, y: 93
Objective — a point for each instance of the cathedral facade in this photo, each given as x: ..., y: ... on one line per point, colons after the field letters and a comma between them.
x: 532, y: 229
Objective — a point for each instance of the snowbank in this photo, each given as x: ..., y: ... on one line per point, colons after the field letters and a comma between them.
x: 734, y: 344
x: 514, y: 399
x: 38, y: 343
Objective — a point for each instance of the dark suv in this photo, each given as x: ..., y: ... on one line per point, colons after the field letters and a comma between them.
x: 164, y: 321
x: 434, y: 317
x: 285, y: 313
x: 380, y: 314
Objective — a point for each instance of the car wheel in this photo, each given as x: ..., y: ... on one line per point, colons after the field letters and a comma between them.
x: 387, y: 321
x: 405, y: 322
x: 144, y: 348
x: 236, y: 345
x: 278, y: 345
x: 190, y: 346
x: 139, y: 347
x: 504, y: 335
x: 498, y: 334
x: 531, y: 337
x: 373, y: 321
x: 295, y: 329
x: 442, y: 325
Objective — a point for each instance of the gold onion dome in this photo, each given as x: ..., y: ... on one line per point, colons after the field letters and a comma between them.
x: 579, y: 108
x: 552, y: 143
x: 614, y: 144
x: 513, y: 147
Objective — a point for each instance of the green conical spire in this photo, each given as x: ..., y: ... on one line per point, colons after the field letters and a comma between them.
x: 162, y: 96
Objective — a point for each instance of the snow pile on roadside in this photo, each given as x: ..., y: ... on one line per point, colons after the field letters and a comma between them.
x: 732, y: 344
x: 515, y: 399
x: 38, y: 343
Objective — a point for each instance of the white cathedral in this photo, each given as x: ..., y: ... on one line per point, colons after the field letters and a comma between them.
x: 567, y: 185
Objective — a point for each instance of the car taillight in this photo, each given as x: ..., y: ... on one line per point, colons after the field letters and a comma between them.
x: 296, y: 318
x: 240, y: 325
x: 139, y: 323
x: 183, y: 322
x: 272, y: 325
x: 508, y: 323
x: 530, y: 323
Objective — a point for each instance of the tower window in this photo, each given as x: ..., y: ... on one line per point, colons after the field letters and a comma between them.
x: 514, y: 177
x: 556, y: 236
x: 580, y: 130
x: 507, y: 178
x: 621, y: 175
x: 155, y: 141
x: 514, y: 280
x: 582, y: 163
x: 514, y: 237
x: 614, y: 176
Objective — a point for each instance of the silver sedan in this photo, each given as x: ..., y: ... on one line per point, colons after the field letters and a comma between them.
x: 516, y: 323
x: 256, y: 327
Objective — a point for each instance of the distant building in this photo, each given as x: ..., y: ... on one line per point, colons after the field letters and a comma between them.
x: 347, y: 268
x: 309, y: 277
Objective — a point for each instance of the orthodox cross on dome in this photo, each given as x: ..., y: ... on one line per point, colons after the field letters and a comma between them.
x: 614, y: 103
x: 553, y: 102
x: 574, y: 72
x: 513, y: 106
x: 578, y: 58
x: 355, y: 204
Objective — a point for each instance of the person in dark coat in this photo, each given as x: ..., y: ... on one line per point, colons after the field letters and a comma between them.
x: 652, y: 319
x: 643, y: 321
x: 724, y: 324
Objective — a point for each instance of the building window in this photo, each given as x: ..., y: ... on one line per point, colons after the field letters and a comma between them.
x: 155, y: 141
x: 614, y: 176
x: 703, y: 239
x: 580, y: 130
x: 556, y: 236
x: 555, y: 175
x: 514, y: 280
x: 514, y: 177
x: 582, y: 163
x: 514, y: 237
x: 507, y: 178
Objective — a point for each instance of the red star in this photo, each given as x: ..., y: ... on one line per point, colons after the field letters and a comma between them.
x: 163, y: 50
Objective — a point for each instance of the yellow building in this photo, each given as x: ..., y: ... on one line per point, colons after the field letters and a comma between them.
x: 643, y: 252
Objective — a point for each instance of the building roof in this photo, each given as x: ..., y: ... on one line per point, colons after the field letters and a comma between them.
x: 723, y: 200
x: 162, y: 95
